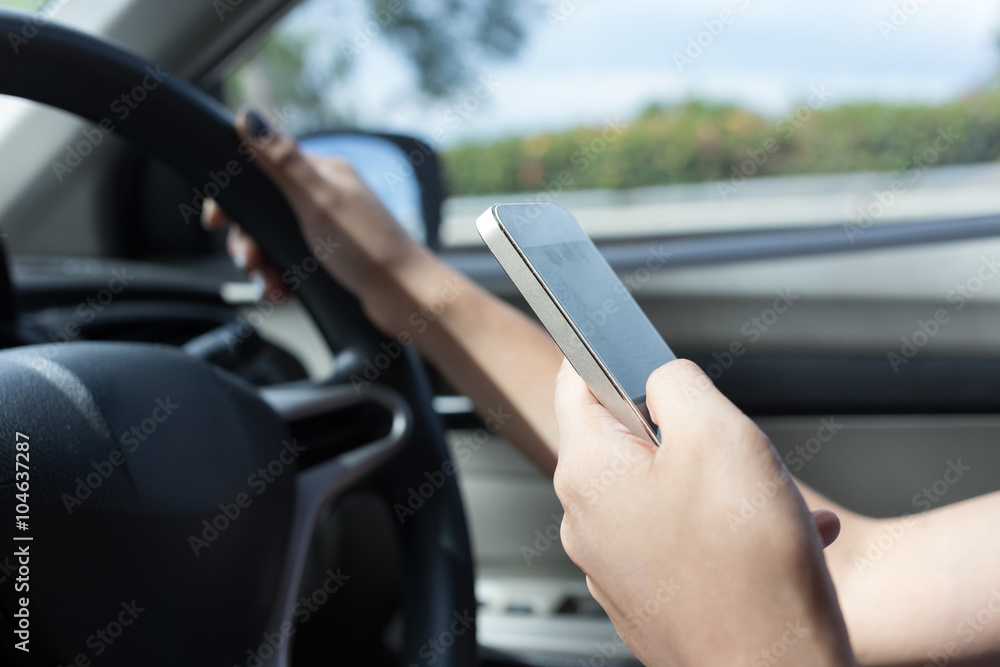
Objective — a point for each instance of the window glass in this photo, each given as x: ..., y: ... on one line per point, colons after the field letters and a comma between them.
x: 30, y: 5
x: 656, y: 117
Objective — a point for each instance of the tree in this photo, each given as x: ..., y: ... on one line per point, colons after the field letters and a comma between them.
x: 311, y: 53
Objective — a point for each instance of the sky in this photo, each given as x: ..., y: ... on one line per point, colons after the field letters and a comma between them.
x: 590, y: 61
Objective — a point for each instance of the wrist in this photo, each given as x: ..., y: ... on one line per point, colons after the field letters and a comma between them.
x: 412, y: 289
x: 810, y: 640
x: 800, y: 622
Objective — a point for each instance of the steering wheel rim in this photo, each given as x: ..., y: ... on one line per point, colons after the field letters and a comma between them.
x: 81, y: 74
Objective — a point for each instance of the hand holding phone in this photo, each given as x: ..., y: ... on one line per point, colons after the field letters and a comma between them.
x: 582, y: 303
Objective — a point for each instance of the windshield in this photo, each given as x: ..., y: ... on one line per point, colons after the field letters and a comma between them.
x: 30, y: 5
x: 678, y: 117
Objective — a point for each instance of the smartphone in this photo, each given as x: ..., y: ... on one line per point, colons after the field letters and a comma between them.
x: 578, y: 297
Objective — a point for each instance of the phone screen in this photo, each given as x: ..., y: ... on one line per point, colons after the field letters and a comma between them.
x: 589, y: 291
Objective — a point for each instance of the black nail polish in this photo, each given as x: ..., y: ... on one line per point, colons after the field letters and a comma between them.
x: 257, y: 127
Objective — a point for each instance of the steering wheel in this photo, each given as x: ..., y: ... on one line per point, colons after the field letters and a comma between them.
x: 166, y: 501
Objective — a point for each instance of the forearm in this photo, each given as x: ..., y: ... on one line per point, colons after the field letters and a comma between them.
x: 926, y: 588
x: 907, y: 605
x: 912, y: 588
x: 488, y: 350
x: 855, y: 529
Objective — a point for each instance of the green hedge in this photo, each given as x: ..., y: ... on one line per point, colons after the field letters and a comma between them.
x: 699, y: 141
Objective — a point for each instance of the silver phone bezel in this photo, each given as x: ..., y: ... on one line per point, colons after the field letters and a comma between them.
x: 560, y: 326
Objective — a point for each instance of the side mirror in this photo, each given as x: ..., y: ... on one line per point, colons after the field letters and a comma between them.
x: 402, y: 171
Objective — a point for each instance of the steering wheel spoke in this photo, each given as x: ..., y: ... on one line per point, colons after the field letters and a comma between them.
x: 329, y: 470
x: 251, y: 574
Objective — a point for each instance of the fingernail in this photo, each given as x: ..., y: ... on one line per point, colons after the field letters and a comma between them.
x: 206, y: 215
x: 239, y: 261
x: 257, y: 127
x: 257, y: 278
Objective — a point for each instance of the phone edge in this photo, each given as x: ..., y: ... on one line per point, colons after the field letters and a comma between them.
x: 541, y: 301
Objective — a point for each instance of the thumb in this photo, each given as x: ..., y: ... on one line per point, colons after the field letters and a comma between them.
x: 587, y: 431
x: 688, y: 408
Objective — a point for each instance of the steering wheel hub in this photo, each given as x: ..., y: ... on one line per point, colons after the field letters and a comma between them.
x: 143, y: 533
x: 157, y: 482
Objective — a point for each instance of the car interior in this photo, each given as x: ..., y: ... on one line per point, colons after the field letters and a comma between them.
x: 865, y: 346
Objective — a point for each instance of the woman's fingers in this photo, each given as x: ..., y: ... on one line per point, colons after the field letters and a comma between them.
x: 212, y: 216
x: 828, y: 525
x: 279, y: 157
x: 248, y: 256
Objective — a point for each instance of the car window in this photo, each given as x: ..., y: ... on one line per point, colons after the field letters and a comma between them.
x: 651, y: 118
x: 30, y: 5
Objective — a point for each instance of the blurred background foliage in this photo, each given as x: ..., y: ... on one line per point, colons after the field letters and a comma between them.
x: 445, y: 42
x: 697, y: 141
x: 449, y: 42
x: 30, y: 5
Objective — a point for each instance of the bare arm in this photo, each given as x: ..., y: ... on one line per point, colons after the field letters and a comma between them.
x: 491, y: 352
x: 923, y: 589
x: 932, y: 597
x: 922, y: 599
x: 488, y: 350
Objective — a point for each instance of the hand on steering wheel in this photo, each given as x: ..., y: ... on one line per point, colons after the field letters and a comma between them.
x: 348, y: 229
